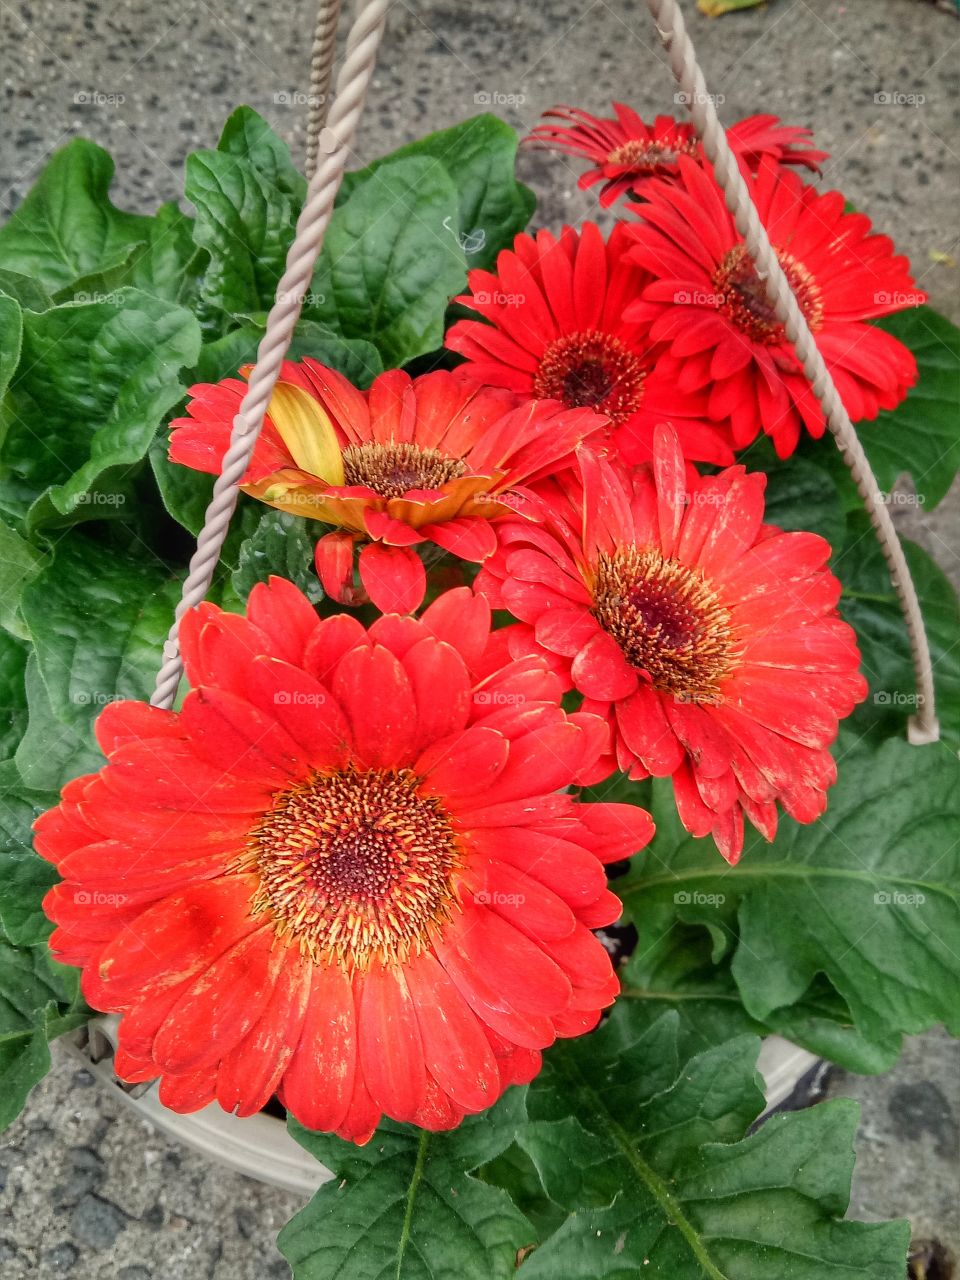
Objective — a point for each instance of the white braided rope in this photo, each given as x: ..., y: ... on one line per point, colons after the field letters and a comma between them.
x: 321, y: 69
x: 922, y: 726
x: 352, y: 84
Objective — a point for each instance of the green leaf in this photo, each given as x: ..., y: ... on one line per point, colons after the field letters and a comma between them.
x: 11, y: 341
x: 39, y: 999
x: 868, y: 896
x: 679, y: 970
x: 51, y: 751
x: 281, y: 544
x: 66, y: 227
x: 389, y: 266
x: 920, y: 435
x: 658, y: 1175
x: 245, y: 221
x: 93, y: 384
x: 24, y: 876
x: 30, y: 295
x: 19, y: 563
x: 406, y: 1205
x: 480, y: 157
x: 98, y: 619
x: 869, y: 603
x: 248, y: 136
x: 13, y: 698
x: 166, y: 264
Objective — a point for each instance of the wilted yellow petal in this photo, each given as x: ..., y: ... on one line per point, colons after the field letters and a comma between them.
x: 307, y: 432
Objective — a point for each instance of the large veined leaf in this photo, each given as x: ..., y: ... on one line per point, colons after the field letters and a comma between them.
x: 94, y: 382
x: 51, y: 752
x: 245, y: 221
x: 682, y: 969
x: 98, y: 619
x: 389, y: 266
x: 66, y: 228
x: 870, y: 604
x: 480, y: 156
x: 19, y: 562
x: 39, y: 999
x: 13, y: 697
x: 166, y: 264
x: 868, y: 896
x: 406, y: 1205
x: 248, y: 136
x: 281, y: 544
x: 24, y: 876
x: 645, y: 1151
x: 25, y: 290
x: 920, y: 435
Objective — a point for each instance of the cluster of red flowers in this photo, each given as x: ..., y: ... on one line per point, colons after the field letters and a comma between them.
x: 350, y: 870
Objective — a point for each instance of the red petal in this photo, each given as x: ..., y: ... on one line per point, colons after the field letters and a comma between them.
x: 393, y: 577
x: 374, y: 692
x: 391, y: 1049
x: 456, y: 1051
x: 318, y: 1084
x: 601, y: 671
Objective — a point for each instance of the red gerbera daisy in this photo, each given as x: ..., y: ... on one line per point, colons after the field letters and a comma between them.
x: 709, y: 642
x: 346, y: 871
x: 628, y: 154
x: 412, y: 460
x: 556, y: 331
x: 708, y: 308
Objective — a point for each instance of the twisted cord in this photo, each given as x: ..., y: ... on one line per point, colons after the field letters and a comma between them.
x: 352, y: 84
x: 923, y: 726
x: 321, y: 68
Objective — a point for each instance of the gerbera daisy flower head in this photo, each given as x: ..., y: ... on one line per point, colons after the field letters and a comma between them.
x: 347, y: 872
x: 709, y: 641
x: 412, y: 461
x: 628, y: 154
x: 706, y: 309
x: 553, y: 328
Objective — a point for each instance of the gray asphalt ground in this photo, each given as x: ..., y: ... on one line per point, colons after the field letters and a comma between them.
x: 86, y: 1189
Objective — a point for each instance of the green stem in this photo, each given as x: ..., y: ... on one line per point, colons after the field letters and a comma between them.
x: 411, y: 1197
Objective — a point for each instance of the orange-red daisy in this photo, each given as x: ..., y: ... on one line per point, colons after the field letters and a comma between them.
x: 707, y: 311
x: 433, y: 459
x: 709, y: 641
x: 628, y: 154
x: 347, y: 871
x: 553, y: 328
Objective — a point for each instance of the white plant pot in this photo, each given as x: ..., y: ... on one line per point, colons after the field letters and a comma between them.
x: 260, y: 1146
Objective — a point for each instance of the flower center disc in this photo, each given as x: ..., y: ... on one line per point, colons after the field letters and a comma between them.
x: 591, y: 370
x: 745, y: 300
x: 356, y: 866
x: 667, y: 621
x: 649, y: 157
x: 392, y: 469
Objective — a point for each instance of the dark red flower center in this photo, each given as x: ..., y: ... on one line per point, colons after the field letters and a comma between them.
x: 667, y: 620
x: 356, y: 866
x: 391, y: 469
x: 650, y: 157
x: 744, y: 299
x: 594, y: 370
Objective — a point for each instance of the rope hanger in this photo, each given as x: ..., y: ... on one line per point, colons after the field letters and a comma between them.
x: 329, y: 143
